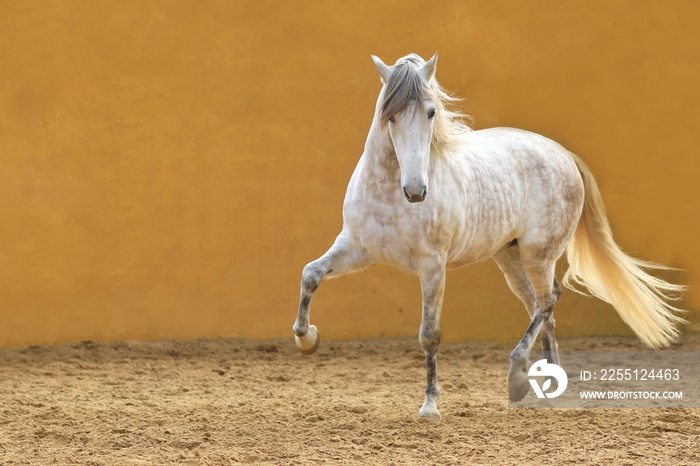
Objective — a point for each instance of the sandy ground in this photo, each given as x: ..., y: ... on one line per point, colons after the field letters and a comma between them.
x: 230, y: 401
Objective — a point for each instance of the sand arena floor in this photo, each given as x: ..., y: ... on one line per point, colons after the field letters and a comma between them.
x: 227, y: 401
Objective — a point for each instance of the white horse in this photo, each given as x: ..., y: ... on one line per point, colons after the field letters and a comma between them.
x: 430, y: 194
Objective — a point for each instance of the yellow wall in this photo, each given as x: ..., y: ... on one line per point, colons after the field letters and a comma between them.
x: 168, y: 167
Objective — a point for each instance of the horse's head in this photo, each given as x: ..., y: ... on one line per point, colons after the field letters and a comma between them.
x: 407, y: 111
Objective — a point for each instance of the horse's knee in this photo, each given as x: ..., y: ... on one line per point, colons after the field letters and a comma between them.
x: 430, y: 339
x: 311, y: 277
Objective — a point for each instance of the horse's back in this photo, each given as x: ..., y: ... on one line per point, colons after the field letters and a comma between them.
x: 549, y: 183
x: 529, y: 150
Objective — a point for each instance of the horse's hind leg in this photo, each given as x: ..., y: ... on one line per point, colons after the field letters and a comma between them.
x: 538, y: 264
x: 550, y: 349
x: 343, y: 257
x: 508, y: 261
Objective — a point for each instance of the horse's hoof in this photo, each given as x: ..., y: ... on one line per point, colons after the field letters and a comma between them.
x: 308, y: 344
x: 518, y: 386
x: 517, y: 392
x: 429, y: 415
x: 429, y: 410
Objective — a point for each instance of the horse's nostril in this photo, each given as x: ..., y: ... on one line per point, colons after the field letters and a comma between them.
x: 415, y: 197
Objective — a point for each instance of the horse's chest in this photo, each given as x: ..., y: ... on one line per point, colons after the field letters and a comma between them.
x: 393, y: 233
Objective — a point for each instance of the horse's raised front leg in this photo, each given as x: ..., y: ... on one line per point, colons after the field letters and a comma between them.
x: 432, y: 279
x: 343, y: 257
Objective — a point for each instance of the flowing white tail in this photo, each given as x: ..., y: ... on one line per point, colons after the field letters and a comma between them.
x: 597, y: 263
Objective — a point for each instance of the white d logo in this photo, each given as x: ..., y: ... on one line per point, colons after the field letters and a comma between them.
x: 543, y: 369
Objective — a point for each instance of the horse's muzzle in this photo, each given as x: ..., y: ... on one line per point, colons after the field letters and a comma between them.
x: 415, y: 195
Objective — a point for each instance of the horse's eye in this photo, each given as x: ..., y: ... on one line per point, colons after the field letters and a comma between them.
x: 431, y: 114
x: 392, y: 120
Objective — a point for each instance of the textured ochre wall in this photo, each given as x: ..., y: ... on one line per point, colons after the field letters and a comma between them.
x: 168, y: 167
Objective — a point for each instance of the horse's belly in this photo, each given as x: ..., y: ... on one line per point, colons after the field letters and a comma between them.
x: 463, y: 261
x: 472, y: 256
x: 471, y: 246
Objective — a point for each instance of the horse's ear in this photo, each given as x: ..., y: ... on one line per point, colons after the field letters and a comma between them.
x: 383, y: 70
x: 427, y: 71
